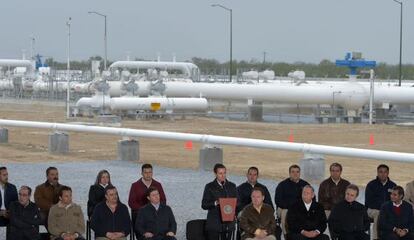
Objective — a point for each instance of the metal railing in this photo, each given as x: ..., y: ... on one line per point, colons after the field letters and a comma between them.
x: 218, y: 140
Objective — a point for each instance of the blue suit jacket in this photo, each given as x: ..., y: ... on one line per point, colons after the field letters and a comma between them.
x: 388, y: 219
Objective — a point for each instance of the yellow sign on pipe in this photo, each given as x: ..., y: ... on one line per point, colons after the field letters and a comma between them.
x: 155, y: 106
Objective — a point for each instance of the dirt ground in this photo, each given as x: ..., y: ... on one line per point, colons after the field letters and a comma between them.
x: 30, y: 145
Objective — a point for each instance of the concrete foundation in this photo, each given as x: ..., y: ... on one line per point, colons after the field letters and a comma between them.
x: 4, y: 135
x: 209, y: 156
x: 313, y: 168
x: 255, y: 111
x: 128, y: 150
x: 58, y: 143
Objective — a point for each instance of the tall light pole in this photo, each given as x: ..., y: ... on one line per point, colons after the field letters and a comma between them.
x: 231, y: 36
x: 401, y: 26
x: 68, y: 70
x: 105, y: 36
x: 32, y: 47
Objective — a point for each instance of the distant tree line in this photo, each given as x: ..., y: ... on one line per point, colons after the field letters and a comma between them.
x: 323, y: 69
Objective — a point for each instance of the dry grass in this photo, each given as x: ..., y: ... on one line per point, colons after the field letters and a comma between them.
x: 30, y: 145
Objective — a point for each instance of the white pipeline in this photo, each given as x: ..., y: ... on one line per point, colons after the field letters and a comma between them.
x: 186, y: 68
x: 16, y: 63
x: 219, y: 140
x: 143, y: 104
x: 158, y: 103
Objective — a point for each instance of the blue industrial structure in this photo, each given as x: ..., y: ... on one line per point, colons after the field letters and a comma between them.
x: 39, y: 62
x: 354, y: 61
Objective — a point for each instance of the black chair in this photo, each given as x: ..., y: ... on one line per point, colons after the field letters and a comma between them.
x: 195, y: 229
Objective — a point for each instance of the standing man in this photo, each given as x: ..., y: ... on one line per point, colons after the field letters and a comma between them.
x: 306, y: 218
x: 409, y: 193
x: 110, y: 219
x: 8, y: 194
x: 24, y: 217
x: 332, y: 190
x: 257, y: 220
x: 220, y: 187
x: 47, y: 194
x: 396, y: 220
x: 137, y: 194
x: 287, y: 193
x: 245, y: 189
x: 156, y: 221
x: 377, y: 193
x: 66, y: 221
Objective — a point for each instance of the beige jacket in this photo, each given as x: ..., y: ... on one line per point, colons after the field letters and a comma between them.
x: 409, y: 193
x: 65, y: 220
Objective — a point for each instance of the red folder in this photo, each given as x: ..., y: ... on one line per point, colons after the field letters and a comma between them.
x: 228, y: 209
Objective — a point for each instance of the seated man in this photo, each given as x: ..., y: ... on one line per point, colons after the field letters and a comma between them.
x: 155, y: 220
x: 306, y: 218
x: 110, y: 219
x: 65, y: 219
x: 349, y: 219
x: 257, y: 220
x: 396, y: 220
x: 24, y: 217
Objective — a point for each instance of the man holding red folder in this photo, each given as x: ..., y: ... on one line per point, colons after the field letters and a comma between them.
x: 220, y: 219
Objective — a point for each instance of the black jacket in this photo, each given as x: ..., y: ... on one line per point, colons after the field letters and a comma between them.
x: 103, y: 220
x: 158, y: 222
x: 212, y: 192
x: 245, y: 191
x: 24, y: 221
x: 10, y: 193
x: 377, y: 194
x: 298, y: 218
x: 349, y: 218
x: 288, y: 192
x: 96, y: 195
x: 388, y: 219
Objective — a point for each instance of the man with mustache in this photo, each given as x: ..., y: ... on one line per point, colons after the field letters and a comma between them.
x: 47, y: 194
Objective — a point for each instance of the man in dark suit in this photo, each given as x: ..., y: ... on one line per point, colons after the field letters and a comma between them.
x: 8, y: 194
x: 220, y: 187
x: 306, y: 218
x: 396, y: 220
x: 287, y: 193
x: 155, y: 221
x: 245, y: 189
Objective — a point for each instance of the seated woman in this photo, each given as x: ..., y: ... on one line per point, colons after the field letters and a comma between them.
x: 97, y: 190
x: 349, y: 219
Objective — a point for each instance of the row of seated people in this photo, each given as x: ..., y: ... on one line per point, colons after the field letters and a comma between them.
x: 289, y: 191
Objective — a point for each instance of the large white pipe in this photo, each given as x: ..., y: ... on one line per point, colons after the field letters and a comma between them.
x: 6, y: 85
x: 219, y: 140
x: 158, y: 103
x: 116, y: 89
x: 146, y: 104
x: 185, y: 67
x: 16, y: 63
x: 350, y: 95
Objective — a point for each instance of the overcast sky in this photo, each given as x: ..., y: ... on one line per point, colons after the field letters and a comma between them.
x: 288, y: 30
